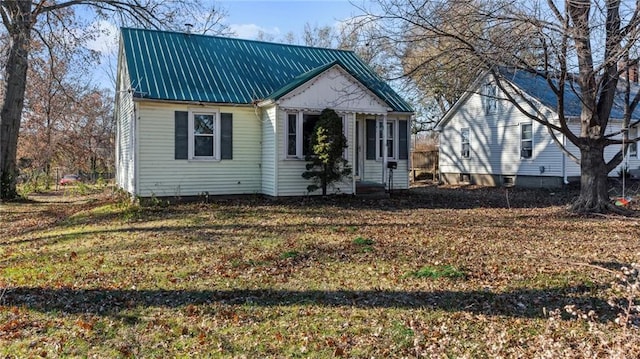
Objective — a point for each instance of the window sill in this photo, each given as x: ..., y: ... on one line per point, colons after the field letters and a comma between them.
x: 204, y: 160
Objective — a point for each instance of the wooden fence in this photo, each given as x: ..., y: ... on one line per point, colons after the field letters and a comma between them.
x: 424, y: 162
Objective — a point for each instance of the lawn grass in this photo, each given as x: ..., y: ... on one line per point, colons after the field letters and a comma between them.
x: 434, y: 272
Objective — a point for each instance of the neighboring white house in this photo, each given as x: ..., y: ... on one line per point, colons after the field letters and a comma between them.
x: 486, y: 140
x: 213, y: 115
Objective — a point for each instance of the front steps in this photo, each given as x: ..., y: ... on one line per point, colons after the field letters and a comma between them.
x: 371, y: 190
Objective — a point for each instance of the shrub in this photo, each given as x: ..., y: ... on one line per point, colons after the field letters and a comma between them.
x: 326, y: 164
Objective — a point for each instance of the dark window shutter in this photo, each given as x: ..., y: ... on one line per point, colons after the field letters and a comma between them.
x: 371, y: 139
x: 182, y: 135
x: 403, y: 137
x: 226, y: 136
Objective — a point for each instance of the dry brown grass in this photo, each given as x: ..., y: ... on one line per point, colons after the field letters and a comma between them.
x: 253, y: 277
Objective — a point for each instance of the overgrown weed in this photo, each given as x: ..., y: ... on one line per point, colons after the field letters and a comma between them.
x: 438, y: 271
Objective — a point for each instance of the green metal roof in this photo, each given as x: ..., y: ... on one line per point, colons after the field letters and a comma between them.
x: 188, y: 67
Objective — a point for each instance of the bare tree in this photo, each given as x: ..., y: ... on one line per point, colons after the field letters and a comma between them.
x: 213, y: 22
x: 265, y: 36
x: 21, y: 19
x: 358, y: 35
x: 58, y: 65
x: 86, y: 141
x: 318, y: 36
x: 577, y: 46
x: 431, y: 60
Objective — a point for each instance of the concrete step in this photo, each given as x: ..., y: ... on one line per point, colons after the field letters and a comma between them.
x: 369, y: 188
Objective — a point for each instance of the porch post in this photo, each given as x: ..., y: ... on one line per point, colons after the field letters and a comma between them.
x: 353, y: 148
x: 384, y: 149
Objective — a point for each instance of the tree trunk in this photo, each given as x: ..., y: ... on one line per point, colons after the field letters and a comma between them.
x: 16, y: 80
x: 594, y: 188
x: 324, y: 180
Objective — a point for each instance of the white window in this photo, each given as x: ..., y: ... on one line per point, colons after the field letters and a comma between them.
x: 526, y: 140
x: 292, y: 134
x: 633, y: 148
x: 204, y: 139
x: 464, y: 138
x: 392, y: 137
x: 299, y: 130
x: 489, y: 93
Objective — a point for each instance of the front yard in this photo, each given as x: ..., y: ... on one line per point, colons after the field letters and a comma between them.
x: 431, y: 273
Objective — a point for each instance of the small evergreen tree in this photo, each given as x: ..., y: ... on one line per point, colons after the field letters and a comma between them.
x: 326, y: 164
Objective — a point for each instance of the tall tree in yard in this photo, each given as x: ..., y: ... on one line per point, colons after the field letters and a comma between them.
x: 326, y: 162
x: 23, y: 19
x: 58, y: 65
x: 582, y: 46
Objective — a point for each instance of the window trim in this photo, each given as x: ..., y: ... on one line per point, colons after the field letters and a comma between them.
x: 490, y: 93
x: 300, y: 133
x: 463, y: 143
x: 522, y: 140
x: 216, y: 135
x: 395, y: 140
x: 633, y: 147
x: 298, y: 147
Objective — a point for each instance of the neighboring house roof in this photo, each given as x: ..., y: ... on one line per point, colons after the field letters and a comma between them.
x: 188, y: 67
x: 538, y: 88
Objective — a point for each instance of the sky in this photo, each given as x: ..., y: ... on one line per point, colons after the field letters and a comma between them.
x: 246, y: 18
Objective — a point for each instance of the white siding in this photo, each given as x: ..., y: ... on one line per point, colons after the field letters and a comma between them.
x: 631, y: 162
x: 334, y: 89
x: 495, y: 142
x: 269, y: 149
x: 289, y: 172
x: 159, y: 174
x: 337, y: 90
x: 372, y: 171
x: 259, y: 163
x: 125, y: 131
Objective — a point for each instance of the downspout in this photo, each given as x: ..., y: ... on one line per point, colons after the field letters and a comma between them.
x: 116, y: 157
x: 136, y: 155
x: 564, y: 161
x: 439, y: 131
x: 261, y: 123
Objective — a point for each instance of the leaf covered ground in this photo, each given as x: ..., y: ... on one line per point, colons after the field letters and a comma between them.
x: 435, y: 272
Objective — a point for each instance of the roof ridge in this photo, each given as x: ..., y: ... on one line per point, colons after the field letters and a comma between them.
x: 229, y: 38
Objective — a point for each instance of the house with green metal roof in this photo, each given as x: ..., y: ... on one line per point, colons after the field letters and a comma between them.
x: 214, y: 115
